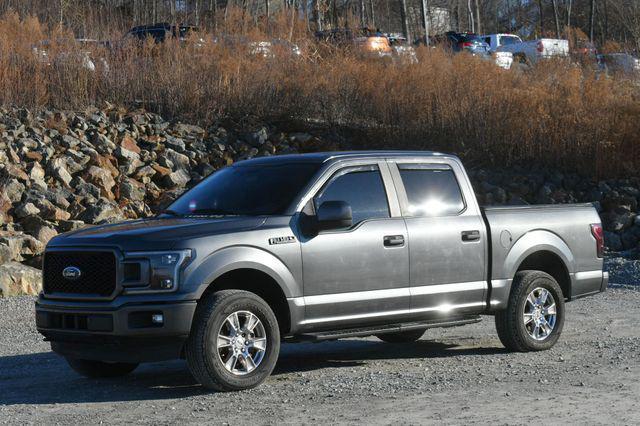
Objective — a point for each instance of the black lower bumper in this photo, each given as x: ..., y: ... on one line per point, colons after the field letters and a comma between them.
x: 130, y: 333
x: 132, y: 350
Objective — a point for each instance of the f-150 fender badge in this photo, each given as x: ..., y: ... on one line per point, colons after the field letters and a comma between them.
x: 282, y: 240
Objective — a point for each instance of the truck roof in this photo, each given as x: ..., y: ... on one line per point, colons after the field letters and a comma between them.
x: 327, y: 157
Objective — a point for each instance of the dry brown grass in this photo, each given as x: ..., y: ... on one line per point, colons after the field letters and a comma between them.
x: 555, y: 114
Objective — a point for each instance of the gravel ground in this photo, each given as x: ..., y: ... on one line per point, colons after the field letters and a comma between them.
x: 623, y: 272
x: 460, y: 375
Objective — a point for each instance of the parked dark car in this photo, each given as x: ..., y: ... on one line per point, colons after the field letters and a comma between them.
x: 462, y: 42
x: 161, y: 32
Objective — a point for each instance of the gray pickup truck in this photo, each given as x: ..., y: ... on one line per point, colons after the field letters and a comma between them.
x: 308, y: 248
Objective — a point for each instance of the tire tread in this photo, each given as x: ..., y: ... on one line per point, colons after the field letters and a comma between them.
x: 507, y: 321
x: 195, y: 348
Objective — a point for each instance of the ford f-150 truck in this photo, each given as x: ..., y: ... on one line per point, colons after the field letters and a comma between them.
x: 308, y: 248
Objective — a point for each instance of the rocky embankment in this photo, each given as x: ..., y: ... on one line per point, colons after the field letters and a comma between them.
x: 60, y: 171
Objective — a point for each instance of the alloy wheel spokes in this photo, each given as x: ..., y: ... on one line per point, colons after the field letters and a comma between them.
x: 540, y: 313
x: 241, y: 342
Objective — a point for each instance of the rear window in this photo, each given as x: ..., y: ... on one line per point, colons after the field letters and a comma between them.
x: 431, y: 191
x: 506, y: 40
x: 470, y: 38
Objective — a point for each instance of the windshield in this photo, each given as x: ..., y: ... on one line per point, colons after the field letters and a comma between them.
x: 246, y: 190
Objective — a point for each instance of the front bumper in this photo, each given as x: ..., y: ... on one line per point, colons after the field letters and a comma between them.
x: 115, y: 333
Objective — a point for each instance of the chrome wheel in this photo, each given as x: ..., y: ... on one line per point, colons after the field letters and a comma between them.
x: 540, y: 313
x: 241, y: 343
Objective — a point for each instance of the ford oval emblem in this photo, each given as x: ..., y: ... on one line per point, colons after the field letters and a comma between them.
x: 71, y: 273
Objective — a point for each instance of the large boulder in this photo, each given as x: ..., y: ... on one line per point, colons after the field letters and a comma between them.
x: 102, y: 179
x: 17, y: 279
x: 21, y: 245
x: 6, y: 254
x: 101, y: 212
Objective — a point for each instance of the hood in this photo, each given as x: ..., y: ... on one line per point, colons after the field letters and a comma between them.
x: 155, y: 233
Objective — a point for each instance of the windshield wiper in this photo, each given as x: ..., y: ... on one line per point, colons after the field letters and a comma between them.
x: 211, y: 212
x: 169, y: 212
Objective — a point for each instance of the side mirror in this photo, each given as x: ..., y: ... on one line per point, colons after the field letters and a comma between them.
x: 334, y: 215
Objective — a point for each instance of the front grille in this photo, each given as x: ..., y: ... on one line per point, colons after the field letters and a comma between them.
x: 97, y: 273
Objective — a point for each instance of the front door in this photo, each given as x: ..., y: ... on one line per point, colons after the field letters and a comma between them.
x: 360, y: 274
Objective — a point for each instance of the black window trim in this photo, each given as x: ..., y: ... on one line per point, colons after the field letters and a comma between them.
x: 427, y: 166
x: 343, y: 171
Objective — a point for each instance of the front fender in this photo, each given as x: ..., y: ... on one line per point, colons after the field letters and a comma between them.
x: 240, y: 257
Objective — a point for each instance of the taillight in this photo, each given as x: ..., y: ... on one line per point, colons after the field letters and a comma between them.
x: 540, y: 47
x: 598, y: 234
x: 464, y: 44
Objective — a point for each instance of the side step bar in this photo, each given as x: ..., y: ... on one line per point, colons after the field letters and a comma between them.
x: 382, y: 329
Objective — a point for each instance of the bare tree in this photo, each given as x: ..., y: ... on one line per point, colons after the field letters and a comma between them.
x: 424, y: 8
x: 373, y: 16
x: 555, y: 17
x: 592, y: 13
x: 404, y: 18
x: 266, y: 14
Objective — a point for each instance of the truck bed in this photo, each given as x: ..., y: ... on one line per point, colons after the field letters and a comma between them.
x: 561, y: 232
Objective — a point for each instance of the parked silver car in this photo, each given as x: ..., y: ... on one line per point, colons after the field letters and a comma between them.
x: 622, y: 64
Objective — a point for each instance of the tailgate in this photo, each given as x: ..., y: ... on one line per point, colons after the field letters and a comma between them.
x: 555, y: 47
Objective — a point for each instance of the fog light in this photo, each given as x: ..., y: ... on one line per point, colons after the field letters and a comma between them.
x: 157, y: 319
x: 166, y: 284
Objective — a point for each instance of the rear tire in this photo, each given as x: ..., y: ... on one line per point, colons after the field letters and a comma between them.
x: 223, y: 351
x: 408, y: 336
x: 100, y: 369
x: 529, y: 323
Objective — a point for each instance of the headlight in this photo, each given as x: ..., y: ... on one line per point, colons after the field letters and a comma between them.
x: 157, y: 271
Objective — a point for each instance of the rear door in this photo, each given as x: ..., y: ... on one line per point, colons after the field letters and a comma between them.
x: 447, y: 238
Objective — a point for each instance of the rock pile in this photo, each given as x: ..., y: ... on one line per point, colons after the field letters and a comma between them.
x: 60, y: 171
x: 617, y: 201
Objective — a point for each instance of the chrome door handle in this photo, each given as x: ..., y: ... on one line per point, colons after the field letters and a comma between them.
x: 470, y: 236
x: 393, y: 240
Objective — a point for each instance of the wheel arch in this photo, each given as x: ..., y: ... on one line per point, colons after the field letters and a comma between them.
x: 543, y: 251
x: 250, y: 269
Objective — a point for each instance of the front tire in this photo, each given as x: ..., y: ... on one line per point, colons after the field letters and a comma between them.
x: 408, y: 336
x: 234, y: 341
x: 100, y: 369
x: 534, y: 316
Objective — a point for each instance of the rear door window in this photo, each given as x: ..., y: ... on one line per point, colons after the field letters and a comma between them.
x: 431, y: 190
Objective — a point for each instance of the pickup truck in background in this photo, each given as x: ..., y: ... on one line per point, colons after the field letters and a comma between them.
x: 528, y: 52
x: 308, y: 248
x: 472, y: 44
